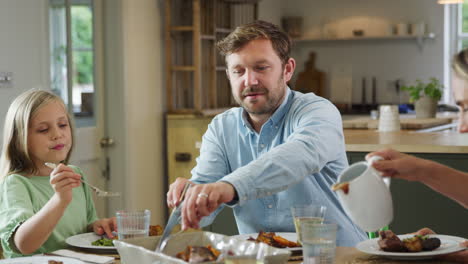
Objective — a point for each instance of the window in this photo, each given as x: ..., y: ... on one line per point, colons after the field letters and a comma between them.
x: 462, y: 27
x: 72, y: 56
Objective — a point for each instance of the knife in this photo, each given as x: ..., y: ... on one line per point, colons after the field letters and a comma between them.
x: 174, y: 219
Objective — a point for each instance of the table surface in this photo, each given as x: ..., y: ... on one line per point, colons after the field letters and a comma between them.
x: 350, y: 255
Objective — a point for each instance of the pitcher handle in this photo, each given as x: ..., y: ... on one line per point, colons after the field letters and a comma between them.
x: 373, y: 159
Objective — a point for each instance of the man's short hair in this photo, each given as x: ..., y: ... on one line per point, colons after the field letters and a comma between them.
x: 259, y: 29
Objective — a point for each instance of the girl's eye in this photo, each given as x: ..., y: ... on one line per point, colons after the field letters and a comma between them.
x: 63, y: 125
x: 262, y: 68
x: 43, y: 130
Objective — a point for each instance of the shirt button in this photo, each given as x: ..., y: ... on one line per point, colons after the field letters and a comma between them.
x: 262, y: 145
x: 268, y: 193
x: 276, y: 127
x: 244, y: 198
x: 270, y: 206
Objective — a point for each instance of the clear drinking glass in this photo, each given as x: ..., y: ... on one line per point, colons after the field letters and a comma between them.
x: 318, y: 242
x: 133, y: 223
x: 307, y: 214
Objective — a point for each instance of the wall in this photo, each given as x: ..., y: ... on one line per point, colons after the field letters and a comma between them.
x: 23, y: 49
x: 143, y: 85
x: 387, y: 60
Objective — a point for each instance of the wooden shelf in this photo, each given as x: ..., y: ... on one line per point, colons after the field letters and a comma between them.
x: 182, y: 68
x: 223, y: 30
x: 419, y: 39
x: 208, y: 37
x: 194, y: 82
x: 364, y: 38
x: 182, y: 28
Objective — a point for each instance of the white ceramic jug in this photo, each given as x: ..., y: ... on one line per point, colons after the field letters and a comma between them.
x: 367, y: 198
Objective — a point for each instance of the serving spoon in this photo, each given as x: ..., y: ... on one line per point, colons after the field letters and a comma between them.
x: 98, y: 191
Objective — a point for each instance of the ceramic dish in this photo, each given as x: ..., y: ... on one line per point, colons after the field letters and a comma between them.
x: 84, y: 241
x: 40, y: 260
x: 449, y: 244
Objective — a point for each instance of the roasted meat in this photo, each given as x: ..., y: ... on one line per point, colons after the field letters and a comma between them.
x: 390, y: 242
x: 197, y: 254
x: 413, y: 244
x: 430, y: 243
x: 155, y: 230
x: 270, y: 238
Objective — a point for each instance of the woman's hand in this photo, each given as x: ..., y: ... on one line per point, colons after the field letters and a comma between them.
x: 105, y: 226
x: 63, y: 179
x: 399, y: 165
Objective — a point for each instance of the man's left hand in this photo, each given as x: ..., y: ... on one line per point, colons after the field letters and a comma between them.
x: 203, y: 199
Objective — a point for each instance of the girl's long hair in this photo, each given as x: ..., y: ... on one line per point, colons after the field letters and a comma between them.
x: 15, y: 157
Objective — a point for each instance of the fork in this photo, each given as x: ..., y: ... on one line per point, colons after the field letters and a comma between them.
x: 99, y: 192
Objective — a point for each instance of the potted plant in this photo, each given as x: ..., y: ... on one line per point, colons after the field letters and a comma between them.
x: 425, y: 97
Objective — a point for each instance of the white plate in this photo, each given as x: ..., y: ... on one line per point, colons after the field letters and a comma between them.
x: 288, y: 235
x: 84, y: 241
x: 448, y: 244
x: 40, y: 260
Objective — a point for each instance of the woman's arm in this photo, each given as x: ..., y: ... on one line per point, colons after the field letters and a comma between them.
x: 445, y: 180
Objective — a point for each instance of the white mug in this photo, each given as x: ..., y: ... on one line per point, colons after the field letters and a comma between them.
x: 389, y: 119
x: 367, y: 200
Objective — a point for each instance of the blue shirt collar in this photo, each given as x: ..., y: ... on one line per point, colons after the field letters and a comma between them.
x: 277, y: 115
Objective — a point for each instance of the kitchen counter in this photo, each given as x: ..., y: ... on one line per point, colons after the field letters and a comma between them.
x: 407, y: 141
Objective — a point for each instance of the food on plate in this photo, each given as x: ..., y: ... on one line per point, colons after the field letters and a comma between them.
x: 54, y: 262
x: 196, y: 254
x: 392, y: 243
x: 341, y: 186
x: 104, y: 242
x: 270, y: 238
x: 155, y: 230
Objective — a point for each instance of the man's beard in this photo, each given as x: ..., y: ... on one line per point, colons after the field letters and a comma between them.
x: 271, y: 102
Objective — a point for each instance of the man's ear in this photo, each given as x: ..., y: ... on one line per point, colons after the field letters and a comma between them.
x: 289, y: 68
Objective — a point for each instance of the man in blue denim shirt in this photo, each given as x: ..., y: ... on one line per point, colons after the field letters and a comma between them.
x: 281, y: 148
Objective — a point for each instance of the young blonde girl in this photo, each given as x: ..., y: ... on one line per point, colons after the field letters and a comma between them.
x: 41, y: 207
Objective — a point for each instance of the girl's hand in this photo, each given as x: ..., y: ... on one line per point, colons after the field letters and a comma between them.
x: 63, y: 179
x: 105, y: 225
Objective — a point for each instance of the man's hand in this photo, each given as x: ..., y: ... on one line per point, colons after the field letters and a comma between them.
x: 105, y: 225
x: 203, y: 199
x: 175, y: 191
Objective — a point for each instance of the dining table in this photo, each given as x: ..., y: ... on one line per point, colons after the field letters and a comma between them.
x: 350, y: 255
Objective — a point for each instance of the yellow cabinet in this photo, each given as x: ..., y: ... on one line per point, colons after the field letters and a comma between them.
x: 184, y: 136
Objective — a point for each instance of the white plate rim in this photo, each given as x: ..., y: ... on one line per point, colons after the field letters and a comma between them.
x: 371, y: 247
x: 84, y: 241
x: 36, y: 259
x: 291, y: 236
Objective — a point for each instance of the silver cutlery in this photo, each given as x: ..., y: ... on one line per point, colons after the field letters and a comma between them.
x: 174, y: 219
x: 99, y: 192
